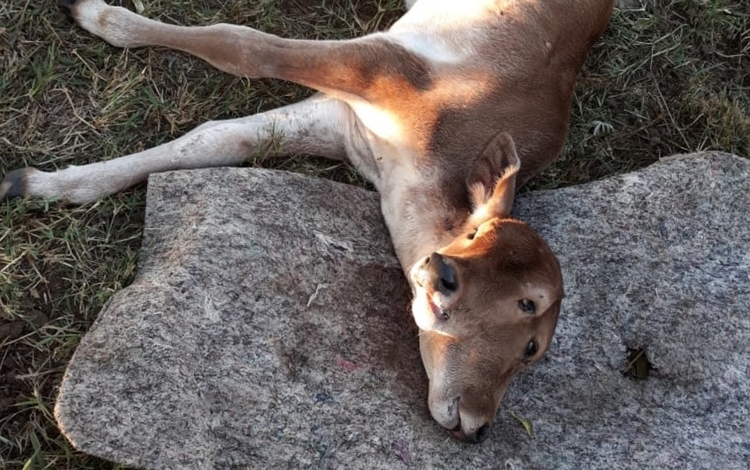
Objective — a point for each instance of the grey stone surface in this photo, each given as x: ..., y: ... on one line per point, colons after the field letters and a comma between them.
x: 268, y: 327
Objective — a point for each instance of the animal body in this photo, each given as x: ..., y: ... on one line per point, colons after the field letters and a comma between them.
x: 446, y: 113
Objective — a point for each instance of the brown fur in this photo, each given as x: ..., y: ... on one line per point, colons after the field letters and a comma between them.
x: 447, y: 113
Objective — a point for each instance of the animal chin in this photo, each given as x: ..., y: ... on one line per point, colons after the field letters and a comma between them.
x: 445, y: 412
x: 456, y: 432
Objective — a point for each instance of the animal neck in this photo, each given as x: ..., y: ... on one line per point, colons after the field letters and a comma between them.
x: 422, y: 221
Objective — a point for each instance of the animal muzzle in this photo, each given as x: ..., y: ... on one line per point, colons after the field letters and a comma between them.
x: 460, y: 423
x: 476, y: 437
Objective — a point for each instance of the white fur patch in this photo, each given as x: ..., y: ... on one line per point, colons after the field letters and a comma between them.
x: 115, y: 25
x: 422, y: 312
x: 379, y: 121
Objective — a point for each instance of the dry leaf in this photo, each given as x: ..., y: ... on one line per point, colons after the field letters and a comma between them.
x: 527, y: 426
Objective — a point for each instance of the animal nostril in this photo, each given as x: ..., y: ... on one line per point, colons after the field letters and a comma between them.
x: 482, y: 433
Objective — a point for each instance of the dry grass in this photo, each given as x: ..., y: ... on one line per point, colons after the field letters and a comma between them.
x: 664, y: 79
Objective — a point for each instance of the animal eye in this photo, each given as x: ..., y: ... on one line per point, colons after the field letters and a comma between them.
x: 526, y: 306
x: 531, y: 349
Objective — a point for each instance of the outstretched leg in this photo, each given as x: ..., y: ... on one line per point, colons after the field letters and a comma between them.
x: 314, y: 126
x: 379, y: 78
x: 373, y: 68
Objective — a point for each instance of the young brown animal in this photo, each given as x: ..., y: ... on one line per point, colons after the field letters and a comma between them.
x: 445, y: 113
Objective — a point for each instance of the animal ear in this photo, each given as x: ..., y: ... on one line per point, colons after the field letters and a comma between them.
x: 492, y: 181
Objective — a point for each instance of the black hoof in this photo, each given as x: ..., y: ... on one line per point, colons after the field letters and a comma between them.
x: 66, y: 7
x: 14, y: 185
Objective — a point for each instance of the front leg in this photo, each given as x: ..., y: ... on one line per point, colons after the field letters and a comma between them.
x: 318, y: 126
x: 373, y: 68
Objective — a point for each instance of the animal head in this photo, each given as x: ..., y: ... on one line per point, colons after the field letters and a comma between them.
x: 487, y: 303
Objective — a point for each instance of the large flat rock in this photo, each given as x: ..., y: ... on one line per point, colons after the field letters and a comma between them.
x: 269, y: 327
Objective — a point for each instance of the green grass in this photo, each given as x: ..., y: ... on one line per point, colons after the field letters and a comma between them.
x: 664, y: 79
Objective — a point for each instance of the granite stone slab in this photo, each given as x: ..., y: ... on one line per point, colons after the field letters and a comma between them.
x: 268, y: 327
